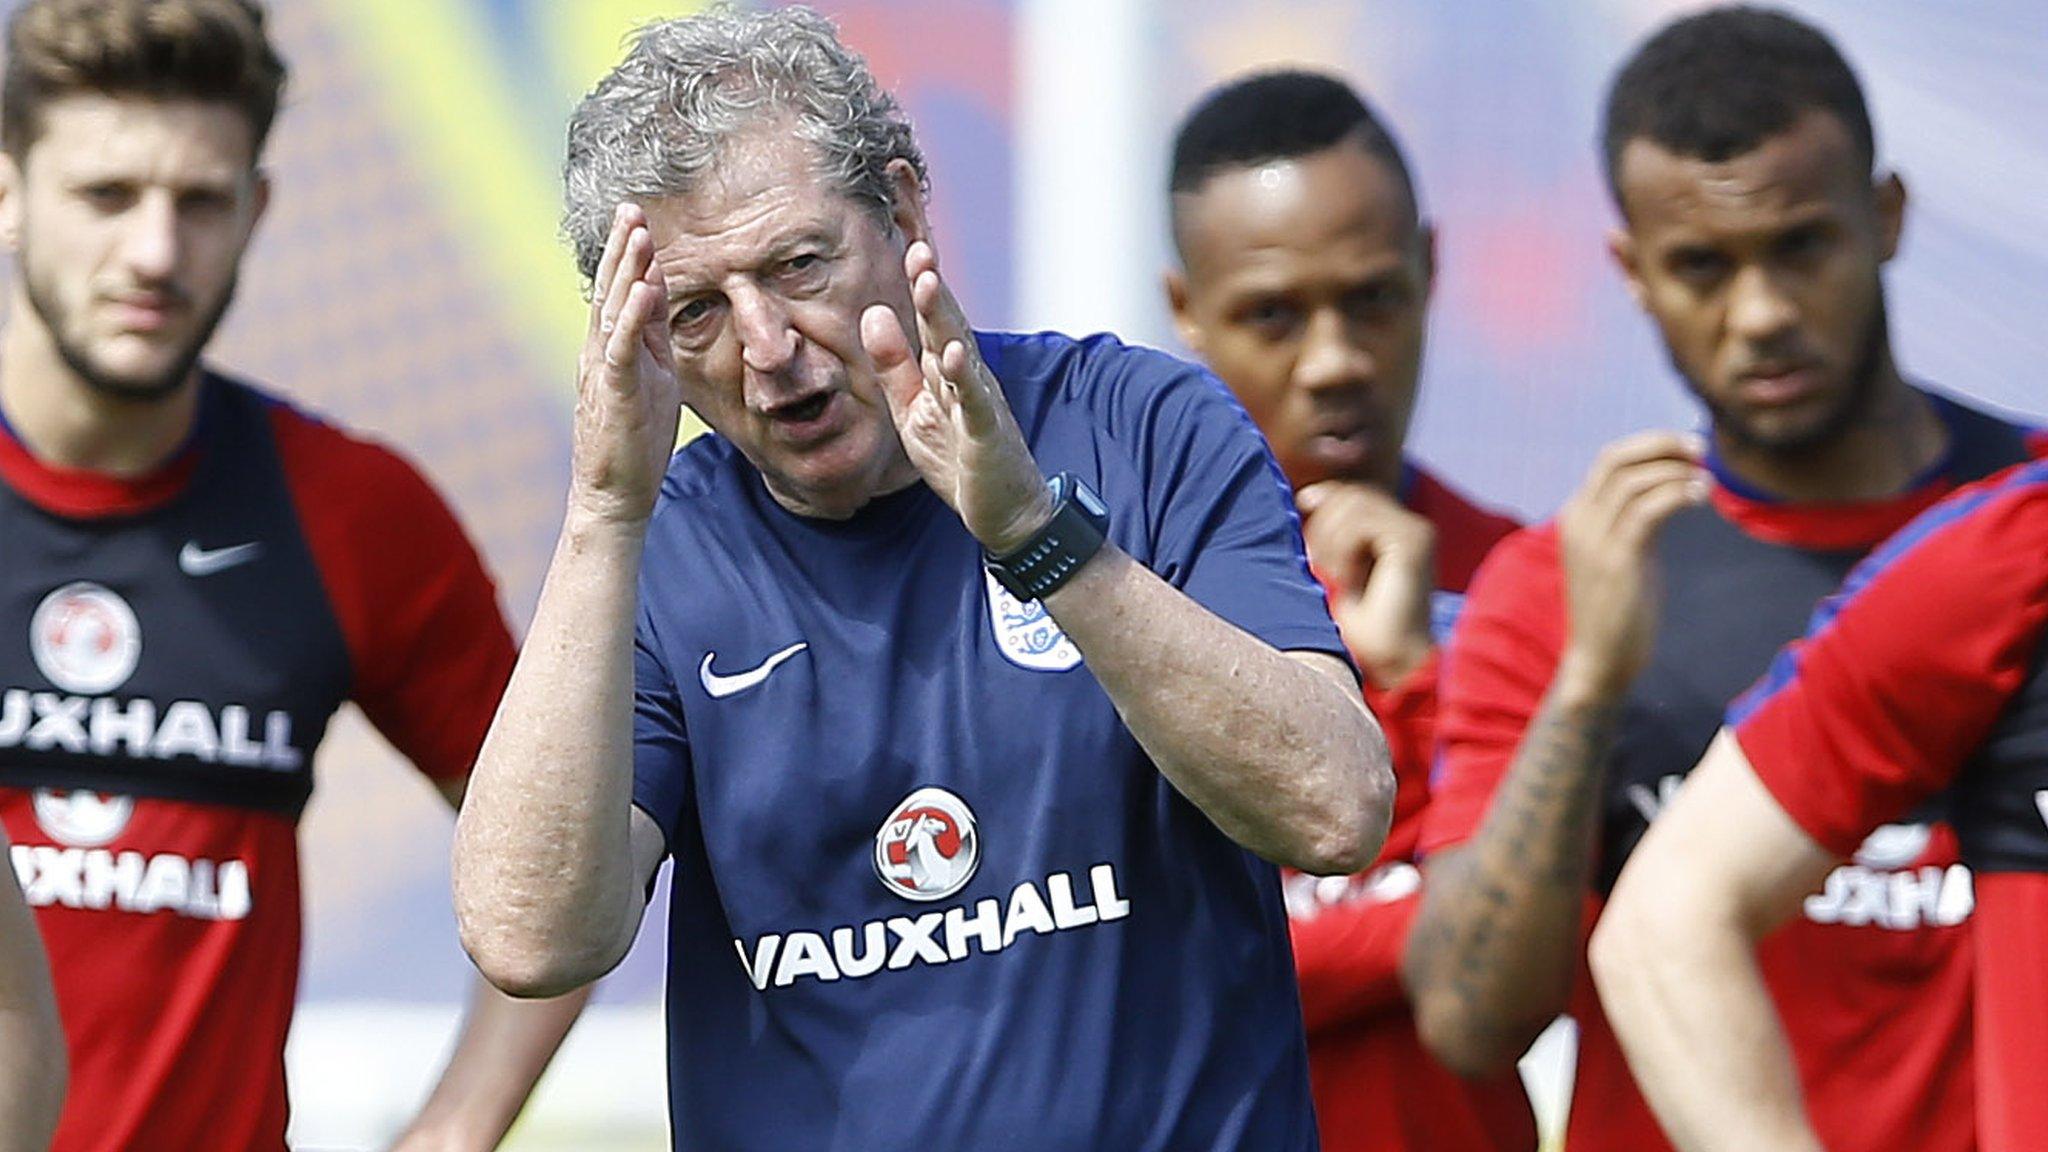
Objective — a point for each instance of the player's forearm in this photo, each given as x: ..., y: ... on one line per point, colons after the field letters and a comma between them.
x: 1495, y: 947
x: 1283, y: 758
x: 32, y: 1056
x: 32, y: 1076
x: 1680, y: 984
x: 504, y: 1047
x: 545, y: 893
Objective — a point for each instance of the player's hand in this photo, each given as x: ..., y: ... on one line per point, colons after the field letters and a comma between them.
x: 951, y: 415
x: 1380, y: 560
x: 627, y: 399
x: 1608, y: 535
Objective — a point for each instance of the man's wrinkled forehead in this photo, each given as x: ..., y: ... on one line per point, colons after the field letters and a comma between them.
x: 763, y: 158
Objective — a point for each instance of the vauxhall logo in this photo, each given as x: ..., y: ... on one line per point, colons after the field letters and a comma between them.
x: 87, y: 641
x: 85, y: 638
x: 1884, y: 887
x: 86, y: 869
x: 929, y: 848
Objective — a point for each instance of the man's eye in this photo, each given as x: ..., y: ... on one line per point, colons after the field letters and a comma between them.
x: 107, y: 195
x: 1374, y: 301
x: 1272, y: 316
x: 1800, y: 244
x: 1698, y: 265
x: 690, y: 312
x: 208, y: 203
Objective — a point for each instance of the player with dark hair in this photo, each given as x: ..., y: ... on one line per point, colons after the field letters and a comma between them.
x: 1653, y: 97
x: 197, y: 576
x: 1304, y: 282
x: 1923, y: 678
x: 1597, y: 654
x: 974, y: 780
x: 1282, y: 115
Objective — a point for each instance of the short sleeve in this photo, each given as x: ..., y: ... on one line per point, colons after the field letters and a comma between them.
x: 1224, y: 527
x: 661, y: 743
x: 429, y: 648
x: 1905, y: 672
x: 435, y: 688
x: 1495, y: 671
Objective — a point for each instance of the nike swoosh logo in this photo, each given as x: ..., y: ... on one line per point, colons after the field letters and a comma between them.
x: 722, y: 686
x: 196, y: 561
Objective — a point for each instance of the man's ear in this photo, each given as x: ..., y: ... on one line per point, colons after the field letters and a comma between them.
x: 1425, y: 238
x: 1621, y: 248
x: 1891, y: 213
x: 259, y: 201
x: 1184, y: 321
x: 262, y: 197
x: 12, y: 197
x: 906, y: 202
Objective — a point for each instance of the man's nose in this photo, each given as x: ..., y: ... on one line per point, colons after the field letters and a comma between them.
x: 768, y: 339
x: 1330, y: 357
x: 150, y: 242
x: 1759, y: 309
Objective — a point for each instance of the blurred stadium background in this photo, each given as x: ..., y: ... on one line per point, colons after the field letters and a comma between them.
x: 409, y: 282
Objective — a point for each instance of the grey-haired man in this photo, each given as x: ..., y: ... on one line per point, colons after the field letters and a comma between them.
x: 967, y: 773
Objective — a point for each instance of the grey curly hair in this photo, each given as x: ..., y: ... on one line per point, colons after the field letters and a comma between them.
x: 661, y: 119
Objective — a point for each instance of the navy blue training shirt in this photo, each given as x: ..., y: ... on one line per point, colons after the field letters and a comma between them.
x: 928, y: 891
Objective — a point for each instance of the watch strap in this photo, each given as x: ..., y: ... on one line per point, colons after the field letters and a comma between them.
x: 1079, y: 525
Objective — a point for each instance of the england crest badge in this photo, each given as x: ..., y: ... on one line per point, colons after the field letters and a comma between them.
x: 1026, y: 634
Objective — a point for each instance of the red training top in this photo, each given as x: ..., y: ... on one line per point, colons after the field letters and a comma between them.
x: 1873, y: 982
x: 1926, y: 673
x: 175, y: 646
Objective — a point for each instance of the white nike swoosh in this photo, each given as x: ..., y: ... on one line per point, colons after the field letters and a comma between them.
x: 722, y: 686
x: 196, y: 561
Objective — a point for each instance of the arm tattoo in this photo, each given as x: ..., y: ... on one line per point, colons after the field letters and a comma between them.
x: 1497, y: 938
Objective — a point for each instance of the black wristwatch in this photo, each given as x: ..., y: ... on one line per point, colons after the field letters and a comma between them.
x: 1079, y: 525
